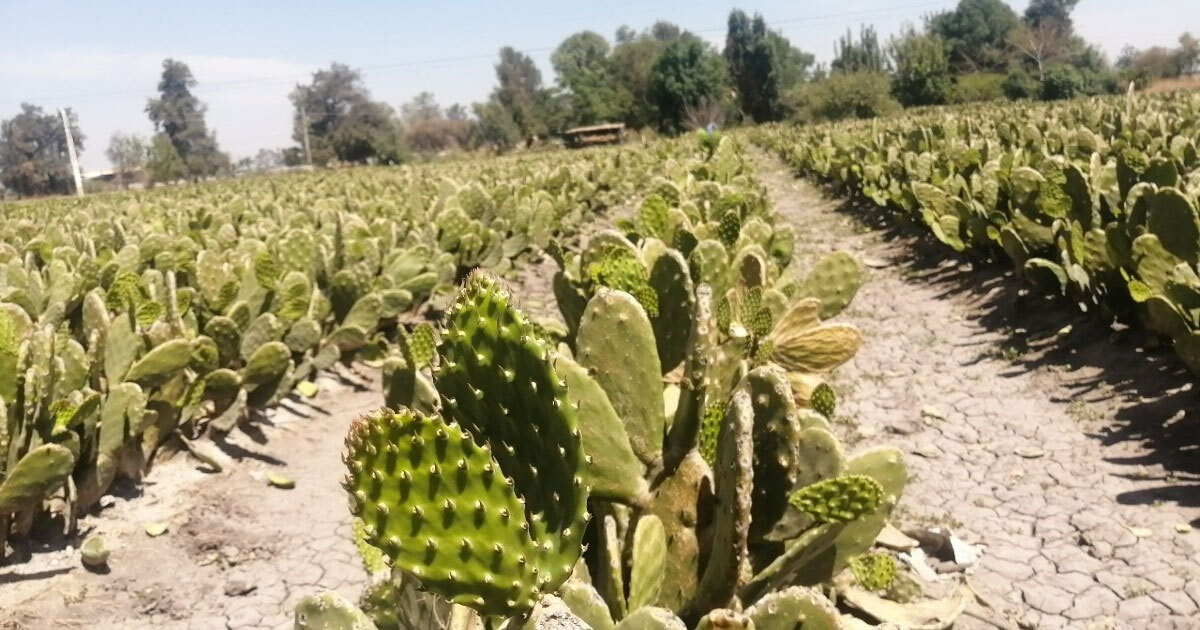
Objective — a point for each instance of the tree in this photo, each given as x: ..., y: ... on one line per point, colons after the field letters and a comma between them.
x: 180, y: 115
x: 862, y: 55
x: 344, y: 124
x: 520, y: 92
x: 127, y: 153
x: 1041, y: 44
x: 793, y: 65
x: 976, y: 33
x: 631, y: 61
x: 1055, y: 14
x: 584, y: 70
x: 496, y: 125
x: 861, y: 94
x: 756, y: 66
x: 163, y: 163
x: 428, y: 130
x: 687, y: 75
x: 422, y: 107
x: 33, y: 152
x: 922, y: 69
x: 1187, y: 55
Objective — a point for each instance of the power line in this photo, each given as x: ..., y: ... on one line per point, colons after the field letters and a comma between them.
x: 398, y: 65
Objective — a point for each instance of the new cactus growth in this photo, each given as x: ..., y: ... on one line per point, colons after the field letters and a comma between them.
x: 840, y: 500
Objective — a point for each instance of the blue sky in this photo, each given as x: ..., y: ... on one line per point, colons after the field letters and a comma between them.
x: 103, y: 58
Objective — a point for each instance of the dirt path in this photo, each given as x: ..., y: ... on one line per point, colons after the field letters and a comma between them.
x: 1066, y: 459
x: 238, y: 553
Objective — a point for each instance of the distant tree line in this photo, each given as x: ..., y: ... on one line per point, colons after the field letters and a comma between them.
x: 662, y: 78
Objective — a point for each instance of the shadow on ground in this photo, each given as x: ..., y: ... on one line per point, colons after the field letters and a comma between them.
x: 1111, y: 369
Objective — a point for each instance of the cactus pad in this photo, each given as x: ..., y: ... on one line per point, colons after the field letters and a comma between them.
x: 874, y: 571
x: 834, y: 280
x: 823, y: 400
x: 794, y: 607
x: 34, y: 476
x: 817, y: 349
x: 616, y: 343
x: 423, y: 491
x: 497, y: 382
x: 842, y: 499
x: 649, y: 562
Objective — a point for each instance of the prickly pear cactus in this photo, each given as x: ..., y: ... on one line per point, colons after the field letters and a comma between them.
x: 842, y: 499
x: 487, y: 507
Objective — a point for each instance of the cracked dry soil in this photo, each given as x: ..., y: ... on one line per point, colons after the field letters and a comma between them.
x: 1069, y: 457
x: 238, y: 552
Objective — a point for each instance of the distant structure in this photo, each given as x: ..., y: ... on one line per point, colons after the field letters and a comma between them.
x: 608, y: 133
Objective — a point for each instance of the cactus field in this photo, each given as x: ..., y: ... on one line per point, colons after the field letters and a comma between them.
x: 661, y: 385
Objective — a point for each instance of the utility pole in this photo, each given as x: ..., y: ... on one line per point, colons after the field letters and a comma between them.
x: 71, y: 152
x: 304, y: 123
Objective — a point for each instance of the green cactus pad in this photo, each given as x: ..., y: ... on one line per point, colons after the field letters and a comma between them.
x: 874, y: 571
x: 586, y: 603
x: 732, y: 508
x: 266, y: 364
x: 161, y: 363
x: 708, y: 262
x: 304, y: 334
x: 122, y: 345
x: 681, y: 502
x: 776, y: 454
x: 264, y: 329
x: 834, y: 280
x: 710, y: 431
x: 616, y: 343
x: 648, y: 559
x: 422, y: 343
x: 423, y: 491
x: 840, y: 500
x: 792, y: 608
x: 615, y: 472
x: 33, y: 477
x: 610, y: 578
x: 672, y: 283
x: 225, y: 332
x: 366, y: 313
x: 651, y: 618
x: 205, y: 355
x: 330, y: 611
x: 1171, y: 216
x: 497, y: 382
x: 823, y: 400
x: 622, y: 270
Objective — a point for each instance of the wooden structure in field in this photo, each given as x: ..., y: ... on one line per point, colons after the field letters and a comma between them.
x: 608, y: 133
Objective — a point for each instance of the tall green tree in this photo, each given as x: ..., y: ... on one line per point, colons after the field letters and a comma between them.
x: 344, y: 124
x: 1054, y: 13
x: 163, y: 163
x: 631, y: 61
x: 585, y: 71
x: 33, y: 152
x: 922, y: 75
x: 687, y: 76
x: 762, y: 65
x: 521, y: 94
x: 976, y: 34
x: 864, y: 54
x: 180, y: 115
